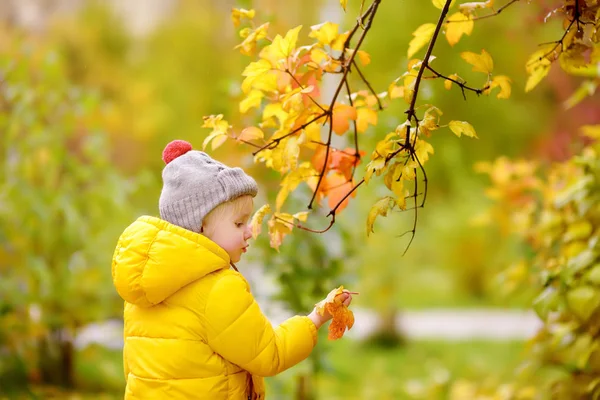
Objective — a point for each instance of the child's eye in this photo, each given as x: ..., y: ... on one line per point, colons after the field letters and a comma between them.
x: 239, y: 224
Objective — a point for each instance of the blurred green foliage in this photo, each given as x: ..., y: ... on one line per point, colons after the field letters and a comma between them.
x: 60, y: 200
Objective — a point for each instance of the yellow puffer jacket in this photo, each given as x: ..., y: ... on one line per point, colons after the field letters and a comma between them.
x: 192, y: 328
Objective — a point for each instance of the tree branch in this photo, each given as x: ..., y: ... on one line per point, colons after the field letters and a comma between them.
x: 302, y: 88
x: 462, y: 85
x: 356, y: 153
x: 371, y: 13
x: 273, y: 143
x: 504, y: 7
x: 368, y: 85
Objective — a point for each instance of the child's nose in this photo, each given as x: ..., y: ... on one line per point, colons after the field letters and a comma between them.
x: 248, y: 232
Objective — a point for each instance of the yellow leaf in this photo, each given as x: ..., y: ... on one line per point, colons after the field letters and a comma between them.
x: 275, y: 111
x: 364, y: 57
x: 338, y: 43
x: 312, y: 135
x: 326, y: 33
x: 440, y: 3
x: 283, y: 47
x: 257, y: 68
x: 536, y: 77
x: 216, y: 122
x: 280, y: 225
x: 251, y: 133
x: 215, y: 137
x: 365, y: 117
x: 462, y: 128
x: 301, y: 216
x: 290, y: 154
x: 395, y: 91
x: 422, y: 36
x: 376, y: 167
x: 458, y: 24
x: 542, y: 57
x: 481, y: 62
x: 291, y: 181
x: 218, y: 141
x: 255, y: 72
x: 343, y: 4
x: 422, y: 151
x: 591, y: 131
x: 252, y: 100
x: 448, y: 83
x: 237, y: 14
x: 430, y: 120
x: 503, y: 82
x: 248, y: 46
x: 257, y: 219
x: 381, y: 207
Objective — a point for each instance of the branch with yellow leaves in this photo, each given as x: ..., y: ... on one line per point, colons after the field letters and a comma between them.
x: 370, y: 14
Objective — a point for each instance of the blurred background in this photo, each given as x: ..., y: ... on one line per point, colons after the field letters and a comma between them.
x: 93, y: 90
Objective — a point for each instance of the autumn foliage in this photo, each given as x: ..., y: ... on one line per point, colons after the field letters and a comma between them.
x: 293, y: 134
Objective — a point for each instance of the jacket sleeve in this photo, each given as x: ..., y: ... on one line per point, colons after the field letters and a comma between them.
x: 239, y: 332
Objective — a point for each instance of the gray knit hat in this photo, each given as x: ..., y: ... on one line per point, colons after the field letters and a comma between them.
x: 194, y: 184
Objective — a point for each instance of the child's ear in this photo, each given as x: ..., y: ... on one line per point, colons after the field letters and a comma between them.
x: 202, y: 229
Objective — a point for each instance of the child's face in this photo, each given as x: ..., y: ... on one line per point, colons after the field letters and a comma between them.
x: 232, y: 232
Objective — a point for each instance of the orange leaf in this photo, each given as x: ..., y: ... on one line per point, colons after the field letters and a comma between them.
x: 337, y: 186
x: 343, y: 318
x: 342, y: 114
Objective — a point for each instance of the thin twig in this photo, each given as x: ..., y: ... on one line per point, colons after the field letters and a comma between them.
x: 462, y: 85
x: 489, y: 15
x: 273, y: 143
x: 356, y: 155
x: 302, y: 88
x: 368, y: 85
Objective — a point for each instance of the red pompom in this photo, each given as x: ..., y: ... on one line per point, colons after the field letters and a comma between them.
x: 175, y: 149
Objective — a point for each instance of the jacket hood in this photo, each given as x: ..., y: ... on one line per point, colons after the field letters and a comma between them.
x: 154, y: 259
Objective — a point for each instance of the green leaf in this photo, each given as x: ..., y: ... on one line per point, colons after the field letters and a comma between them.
x: 546, y: 302
x: 583, y: 301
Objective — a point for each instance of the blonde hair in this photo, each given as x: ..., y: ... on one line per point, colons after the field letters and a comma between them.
x: 235, y: 206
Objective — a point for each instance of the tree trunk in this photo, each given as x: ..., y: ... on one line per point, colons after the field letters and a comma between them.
x: 57, y: 359
x: 386, y: 333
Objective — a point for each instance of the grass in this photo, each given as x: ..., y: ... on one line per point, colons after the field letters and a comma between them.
x: 352, y: 370
x: 360, y: 371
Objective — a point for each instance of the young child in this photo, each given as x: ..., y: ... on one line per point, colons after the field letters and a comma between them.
x: 192, y: 327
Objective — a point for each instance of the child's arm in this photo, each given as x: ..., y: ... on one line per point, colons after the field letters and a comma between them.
x: 240, y: 333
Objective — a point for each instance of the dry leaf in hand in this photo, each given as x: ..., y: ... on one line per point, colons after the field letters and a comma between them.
x: 342, y: 317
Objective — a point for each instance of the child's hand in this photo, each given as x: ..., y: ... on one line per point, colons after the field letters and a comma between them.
x: 319, y: 319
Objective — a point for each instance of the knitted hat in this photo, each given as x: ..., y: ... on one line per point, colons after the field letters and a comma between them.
x: 194, y: 184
